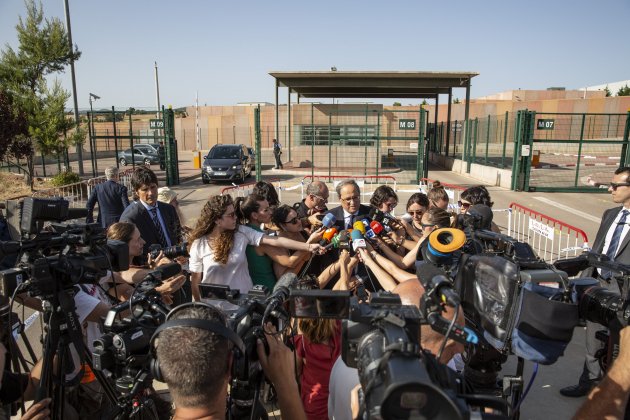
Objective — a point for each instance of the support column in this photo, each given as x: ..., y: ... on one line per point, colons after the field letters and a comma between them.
x: 288, y: 145
x: 275, y: 135
x: 467, y: 150
x: 435, y: 125
x: 448, y: 120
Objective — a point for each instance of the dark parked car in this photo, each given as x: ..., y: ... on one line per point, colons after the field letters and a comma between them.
x: 227, y: 162
x: 142, y: 153
x: 252, y: 154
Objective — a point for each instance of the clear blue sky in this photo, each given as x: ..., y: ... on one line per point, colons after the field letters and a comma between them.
x: 225, y: 49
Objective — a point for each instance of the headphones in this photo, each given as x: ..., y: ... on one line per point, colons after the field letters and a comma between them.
x: 203, y: 324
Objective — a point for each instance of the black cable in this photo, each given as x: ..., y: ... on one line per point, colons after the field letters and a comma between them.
x: 448, y: 332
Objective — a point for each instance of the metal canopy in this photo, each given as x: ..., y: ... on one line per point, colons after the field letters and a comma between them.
x: 371, y: 84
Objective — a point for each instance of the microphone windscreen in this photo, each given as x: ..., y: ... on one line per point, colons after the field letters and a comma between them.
x: 169, y: 270
x: 329, y: 220
x: 329, y: 234
x: 376, y: 227
x: 358, y: 225
x: 427, y: 271
x: 77, y: 213
x: 356, y: 234
x: 484, y: 213
x: 288, y: 280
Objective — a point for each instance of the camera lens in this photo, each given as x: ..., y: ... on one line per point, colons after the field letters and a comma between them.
x: 600, y: 305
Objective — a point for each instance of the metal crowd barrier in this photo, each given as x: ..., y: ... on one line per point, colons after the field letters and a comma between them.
x: 77, y: 194
x: 552, y: 239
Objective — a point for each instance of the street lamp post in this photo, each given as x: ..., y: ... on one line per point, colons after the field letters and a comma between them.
x: 92, y: 135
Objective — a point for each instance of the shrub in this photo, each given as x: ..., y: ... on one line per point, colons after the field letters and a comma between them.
x: 65, y: 178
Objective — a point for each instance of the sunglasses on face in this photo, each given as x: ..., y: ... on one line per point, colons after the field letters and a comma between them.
x: 462, y: 204
x: 615, y: 185
x: 426, y: 225
x: 415, y: 212
x: 293, y: 221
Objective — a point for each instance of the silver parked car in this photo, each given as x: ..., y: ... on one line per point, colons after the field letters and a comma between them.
x: 142, y: 153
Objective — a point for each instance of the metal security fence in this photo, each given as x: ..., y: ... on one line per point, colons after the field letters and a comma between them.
x: 569, y: 152
x: 352, y: 140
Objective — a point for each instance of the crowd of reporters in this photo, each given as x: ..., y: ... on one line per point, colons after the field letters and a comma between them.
x: 254, y: 241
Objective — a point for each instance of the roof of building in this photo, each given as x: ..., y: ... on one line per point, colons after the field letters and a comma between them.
x: 371, y: 84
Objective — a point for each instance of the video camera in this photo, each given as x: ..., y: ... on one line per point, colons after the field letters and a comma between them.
x: 170, y: 252
x: 382, y: 340
x: 246, y: 315
x: 122, y: 353
x: 61, y: 257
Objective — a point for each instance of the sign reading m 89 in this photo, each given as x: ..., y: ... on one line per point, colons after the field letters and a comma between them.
x: 406, y: 124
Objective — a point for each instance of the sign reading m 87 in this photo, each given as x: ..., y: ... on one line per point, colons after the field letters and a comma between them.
x: 406, y: 124
x: 156, y: 124
x: 544, y: 124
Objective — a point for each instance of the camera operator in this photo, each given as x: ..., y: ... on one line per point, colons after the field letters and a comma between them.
x: 195, y: 364
x: 129, y: 233
x: 158, y: 222
x: 611, y: 240
x: 609, y: 398
x: 343, y: 378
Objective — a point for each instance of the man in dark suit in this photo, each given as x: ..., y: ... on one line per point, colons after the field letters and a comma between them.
x: 613, y: 240
x: 111, y: 197
x: 349, y: 195
x: 157, y: 222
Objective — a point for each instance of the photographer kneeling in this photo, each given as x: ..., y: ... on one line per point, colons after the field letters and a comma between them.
x: 195, y: 363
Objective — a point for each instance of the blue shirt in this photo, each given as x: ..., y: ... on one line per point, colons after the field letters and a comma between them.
x: 159, y: 215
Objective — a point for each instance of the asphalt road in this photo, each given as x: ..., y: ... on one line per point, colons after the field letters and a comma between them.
x: 581, y: 210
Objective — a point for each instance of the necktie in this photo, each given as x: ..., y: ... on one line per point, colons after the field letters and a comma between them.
x: 348, y: 221
x: 614, y: 242
x: 158, y: 226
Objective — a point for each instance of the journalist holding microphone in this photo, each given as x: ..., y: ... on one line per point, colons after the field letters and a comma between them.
x: 217, y: 250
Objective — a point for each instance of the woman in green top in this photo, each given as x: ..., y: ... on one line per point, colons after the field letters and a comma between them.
x: 254, y: 211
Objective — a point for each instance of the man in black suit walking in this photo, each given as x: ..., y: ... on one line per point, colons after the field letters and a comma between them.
x: 612, y: 239
x: 157, y: 222
x: 111, y: 197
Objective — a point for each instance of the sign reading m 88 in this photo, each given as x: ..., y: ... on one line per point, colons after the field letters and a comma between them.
x: 406, y: 124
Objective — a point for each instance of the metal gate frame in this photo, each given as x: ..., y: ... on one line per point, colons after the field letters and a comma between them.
x: 525, y: 135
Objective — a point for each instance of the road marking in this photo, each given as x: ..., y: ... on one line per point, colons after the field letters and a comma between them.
x: 570, y: 210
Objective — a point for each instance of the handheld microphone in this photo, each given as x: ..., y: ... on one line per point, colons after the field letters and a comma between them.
x: 376, y: 227
x: 358, y: 225
x: 163, y: 272
x: 344, y: 240
x: 357, y: 240
x: 437, y: 285
x: 327, y: 237
x: 329, y: 220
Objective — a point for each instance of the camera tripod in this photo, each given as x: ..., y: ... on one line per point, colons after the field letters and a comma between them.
x: 65, y: 353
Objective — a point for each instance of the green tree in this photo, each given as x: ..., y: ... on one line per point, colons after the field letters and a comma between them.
x: 42, y: 52
x: 607, y: 91
x: 396, y: 104
x: 456, y: 101
x: 13, y: 125
x: 624, y: 91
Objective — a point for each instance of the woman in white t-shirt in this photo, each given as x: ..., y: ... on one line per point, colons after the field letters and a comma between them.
x: 218, y: 243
